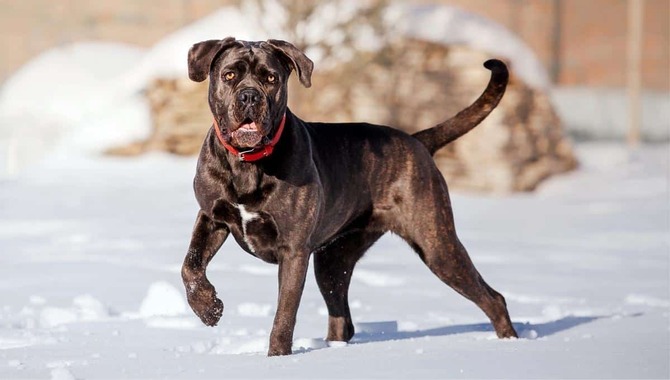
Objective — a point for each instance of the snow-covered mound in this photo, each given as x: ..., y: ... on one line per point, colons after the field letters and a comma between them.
x: 452, y: 25
x: 167, y: 58
x: 163, y: 299
x: 68, y: 82
x: 73, y: 99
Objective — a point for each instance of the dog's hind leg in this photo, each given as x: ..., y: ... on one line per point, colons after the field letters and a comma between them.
x: 433, y: 237
x: 333, y: 267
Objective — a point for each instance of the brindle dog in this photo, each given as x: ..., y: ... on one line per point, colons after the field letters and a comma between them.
x: 325, y: 189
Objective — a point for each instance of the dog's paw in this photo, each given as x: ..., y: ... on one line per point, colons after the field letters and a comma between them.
x: 280, y: 343
x: 211, y: 315
x: 279, y: 351
x: 205, y: 304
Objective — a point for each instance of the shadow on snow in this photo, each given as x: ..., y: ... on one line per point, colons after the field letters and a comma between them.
x: 387, y: 330
x: 542, y: 330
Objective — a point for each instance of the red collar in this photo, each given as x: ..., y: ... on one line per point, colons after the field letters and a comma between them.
x: 255, y: 153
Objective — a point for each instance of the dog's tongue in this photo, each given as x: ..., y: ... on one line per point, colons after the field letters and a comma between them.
x: 247, y: 135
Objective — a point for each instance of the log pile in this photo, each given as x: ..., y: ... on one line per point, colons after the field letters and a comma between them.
x: 411, y: 85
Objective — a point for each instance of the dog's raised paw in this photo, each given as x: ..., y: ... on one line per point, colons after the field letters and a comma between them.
x: 202, y: 299
x: 212, y: 314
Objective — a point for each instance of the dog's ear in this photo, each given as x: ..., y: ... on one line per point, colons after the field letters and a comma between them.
x: 202, y: 54
x: 301, y: 64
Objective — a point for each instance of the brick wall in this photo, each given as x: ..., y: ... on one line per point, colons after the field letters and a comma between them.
x: 581, y: 42
x: 28, y: 27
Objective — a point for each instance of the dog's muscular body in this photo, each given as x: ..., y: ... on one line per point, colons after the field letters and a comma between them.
x: 327, y: 189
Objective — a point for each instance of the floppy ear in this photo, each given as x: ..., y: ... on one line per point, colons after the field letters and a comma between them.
x: 201, y: 55
x: 301, y: 64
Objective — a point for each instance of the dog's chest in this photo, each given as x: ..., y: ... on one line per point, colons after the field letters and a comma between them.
x: 254, y: 230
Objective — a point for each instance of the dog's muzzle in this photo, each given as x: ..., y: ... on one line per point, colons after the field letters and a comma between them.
x: 249, y: 133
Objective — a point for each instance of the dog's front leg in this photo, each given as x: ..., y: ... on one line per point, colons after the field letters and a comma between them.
x: 207, y: 238
x: 292, y: 272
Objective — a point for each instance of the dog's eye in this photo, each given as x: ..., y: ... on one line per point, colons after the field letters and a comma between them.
x: 271, y: 78
x: 229, y: 75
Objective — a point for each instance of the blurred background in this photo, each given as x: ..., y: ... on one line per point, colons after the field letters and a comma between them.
x: 582, y: 71
x: 580, y: 43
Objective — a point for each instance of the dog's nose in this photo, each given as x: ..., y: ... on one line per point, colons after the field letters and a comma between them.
x: 249, y: 97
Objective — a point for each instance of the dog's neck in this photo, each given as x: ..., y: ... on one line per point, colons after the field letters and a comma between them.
x: 253, y: 154
x: 247, y: 178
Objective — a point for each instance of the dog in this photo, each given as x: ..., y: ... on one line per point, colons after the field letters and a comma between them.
x: 287, y: 189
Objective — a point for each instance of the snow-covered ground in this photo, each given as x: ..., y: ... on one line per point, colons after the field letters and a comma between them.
x: 89, y: 276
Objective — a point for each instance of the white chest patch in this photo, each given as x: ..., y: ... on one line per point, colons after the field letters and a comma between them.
x: 246, y: 217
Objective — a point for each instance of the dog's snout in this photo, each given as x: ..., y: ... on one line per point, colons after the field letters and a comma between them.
x: 249, y: 97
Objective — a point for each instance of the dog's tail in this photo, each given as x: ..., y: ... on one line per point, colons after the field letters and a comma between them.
x: 448, y: 131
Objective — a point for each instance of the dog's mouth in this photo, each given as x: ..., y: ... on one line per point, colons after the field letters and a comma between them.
x: 248, y: 134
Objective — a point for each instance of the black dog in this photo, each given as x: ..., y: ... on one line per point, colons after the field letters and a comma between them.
x: 287, y: 189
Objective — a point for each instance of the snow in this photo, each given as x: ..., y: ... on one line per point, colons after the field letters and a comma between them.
x: 163, y: 299
x: 72, y: 72
x: 70, y: 99
x: 452, y: 26
x: 602, y: 113
x: 250, y: 309
x: 61, y: 373
x: 91, y: 251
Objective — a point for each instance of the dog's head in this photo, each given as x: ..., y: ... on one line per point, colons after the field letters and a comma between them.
x: 247, y: 84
